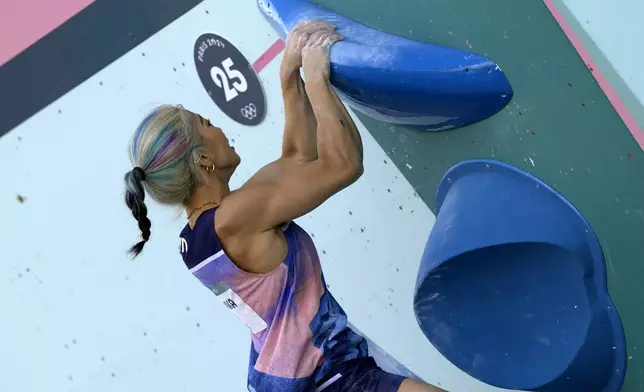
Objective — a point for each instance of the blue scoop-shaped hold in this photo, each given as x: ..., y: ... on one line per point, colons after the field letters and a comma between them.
x: 512, y: 285
x: 399, y: 80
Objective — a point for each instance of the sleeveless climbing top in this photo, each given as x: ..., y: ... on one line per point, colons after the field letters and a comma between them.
x: 299, y: 332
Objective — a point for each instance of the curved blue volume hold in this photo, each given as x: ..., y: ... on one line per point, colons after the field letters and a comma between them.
x: 512, y: 287
x: 399, y: 80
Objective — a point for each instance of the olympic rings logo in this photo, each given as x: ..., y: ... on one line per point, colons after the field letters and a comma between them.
x: 249, y: 111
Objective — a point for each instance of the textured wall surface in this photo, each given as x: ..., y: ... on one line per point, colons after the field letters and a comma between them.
x: 78, y: 315
x: 560, y: 126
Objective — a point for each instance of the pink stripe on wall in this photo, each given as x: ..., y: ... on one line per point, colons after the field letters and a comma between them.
x: 614, y: 99
x: 24, y: 22
x: 268, y: 56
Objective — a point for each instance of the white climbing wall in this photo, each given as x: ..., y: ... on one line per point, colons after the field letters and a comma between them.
x: 78, y: 315
x: 616, y: 28
x: 607, y: 36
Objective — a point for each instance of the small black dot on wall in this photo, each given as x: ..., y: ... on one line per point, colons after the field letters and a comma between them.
x: 143, y: 54
x: 198, y: 325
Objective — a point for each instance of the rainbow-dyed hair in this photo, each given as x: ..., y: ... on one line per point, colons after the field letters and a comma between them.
x: 164, y: 151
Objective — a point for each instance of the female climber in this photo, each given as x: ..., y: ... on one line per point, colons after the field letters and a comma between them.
x: 243, y: 245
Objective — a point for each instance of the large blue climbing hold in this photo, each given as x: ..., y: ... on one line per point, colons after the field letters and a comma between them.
x: 512, y: 285
x: 399, y: 80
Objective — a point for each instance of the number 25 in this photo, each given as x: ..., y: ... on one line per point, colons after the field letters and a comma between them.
x: 223, y: 77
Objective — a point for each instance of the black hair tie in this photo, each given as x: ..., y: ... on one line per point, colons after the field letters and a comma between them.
x: 139, y: 173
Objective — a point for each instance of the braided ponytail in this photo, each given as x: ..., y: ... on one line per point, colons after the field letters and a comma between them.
x: 163, y: 151
x: 134, y: 196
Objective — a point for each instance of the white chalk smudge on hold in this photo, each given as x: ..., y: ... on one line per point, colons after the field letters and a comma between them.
x: 532, y: 161
x: 543, y: 340
x: 444, y: 128
x: 609, y: 260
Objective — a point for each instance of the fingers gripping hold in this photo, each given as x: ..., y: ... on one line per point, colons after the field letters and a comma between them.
x: 311, y: 26
x: 306, y: 35
x: 323, y: 39
x: 296, y: 41
x: 315, y: 54
x: 311, y: 30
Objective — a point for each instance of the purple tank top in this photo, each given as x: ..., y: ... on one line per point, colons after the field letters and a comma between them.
x: 299, y: 331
